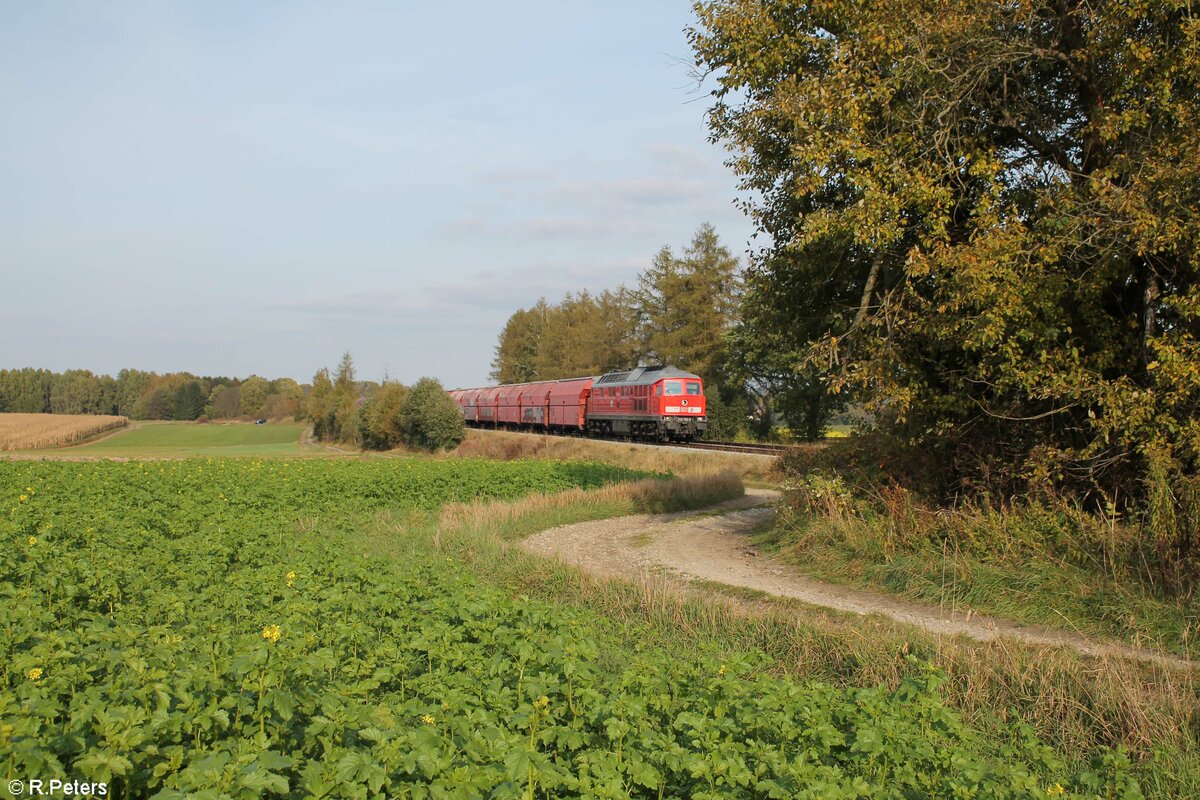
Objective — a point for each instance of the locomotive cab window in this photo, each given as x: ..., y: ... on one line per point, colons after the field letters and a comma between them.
x: 693, y: 387
x: 674, y: 388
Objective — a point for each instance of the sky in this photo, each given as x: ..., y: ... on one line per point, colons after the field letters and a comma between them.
x: 254, y: 188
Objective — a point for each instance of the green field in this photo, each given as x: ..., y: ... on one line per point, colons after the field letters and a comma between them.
x: 243, y: 628
x: 167, y: 439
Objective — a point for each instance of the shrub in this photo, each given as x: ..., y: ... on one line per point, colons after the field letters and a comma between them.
x: 379, y: 422
x: 429, y: 418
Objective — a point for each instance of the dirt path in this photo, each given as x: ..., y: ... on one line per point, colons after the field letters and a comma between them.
x: 309, y: 441
x: 715, y: 547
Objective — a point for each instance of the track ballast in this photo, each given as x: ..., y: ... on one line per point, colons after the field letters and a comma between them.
x: 758, y: 449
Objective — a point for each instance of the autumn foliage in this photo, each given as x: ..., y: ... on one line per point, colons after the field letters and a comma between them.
x: 984, y: 222
x: 994, y: 209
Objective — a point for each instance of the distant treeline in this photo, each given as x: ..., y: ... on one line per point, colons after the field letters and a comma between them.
x: 138, y: 394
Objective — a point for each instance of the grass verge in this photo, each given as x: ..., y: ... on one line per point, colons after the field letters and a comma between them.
x: 1047, y: 565
x: 538, y: 512
x: 508, y: 445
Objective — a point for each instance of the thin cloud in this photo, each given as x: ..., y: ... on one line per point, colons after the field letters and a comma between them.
x: 639, y: 191
x: 514, y: 176
x: 359, y: 305
x: 504, y: 292
x: 545, y: 228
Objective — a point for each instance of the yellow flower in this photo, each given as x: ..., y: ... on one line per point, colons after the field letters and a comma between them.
x: 291, y: 578
x: 1055, y: 790
x: 34, y: 674
x: 721, y: 671
x: 542, y: 702
x: 23, y: 498
x: 32, y: 540
x: 272, y: 633
x: 428, y: 720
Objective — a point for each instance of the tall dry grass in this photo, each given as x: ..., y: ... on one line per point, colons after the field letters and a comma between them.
x: 515, y: 518
x: 36, y: 431
x: 1040, y: 562
x: 508, y: 446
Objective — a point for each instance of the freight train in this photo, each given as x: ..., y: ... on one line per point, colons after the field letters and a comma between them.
x: 659, y: 403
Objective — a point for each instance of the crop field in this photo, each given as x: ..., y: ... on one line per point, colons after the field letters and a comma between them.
x: 223, y: 628
x: 33, y: 431
x: 174, y: 439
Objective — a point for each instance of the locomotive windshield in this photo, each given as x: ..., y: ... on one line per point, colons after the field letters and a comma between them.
x: 675, y: 388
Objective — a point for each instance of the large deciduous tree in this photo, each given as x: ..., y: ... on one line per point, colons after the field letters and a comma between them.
x: 224, y: 402
x: 983, y: 217
x: 253, y: 395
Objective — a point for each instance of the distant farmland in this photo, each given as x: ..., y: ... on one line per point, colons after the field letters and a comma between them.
x: 182, y: 439
x: 34, y: 431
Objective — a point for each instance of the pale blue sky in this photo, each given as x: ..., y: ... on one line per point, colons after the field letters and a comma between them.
x: 236, y: 188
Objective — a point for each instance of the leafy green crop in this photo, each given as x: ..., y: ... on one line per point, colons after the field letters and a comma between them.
x: 172, y: 629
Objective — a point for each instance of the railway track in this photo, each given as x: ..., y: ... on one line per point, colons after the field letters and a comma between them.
x: 758, y: 449
x: 738, y: 447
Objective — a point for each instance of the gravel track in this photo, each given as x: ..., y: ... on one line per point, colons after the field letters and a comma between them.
x: 703, y: 545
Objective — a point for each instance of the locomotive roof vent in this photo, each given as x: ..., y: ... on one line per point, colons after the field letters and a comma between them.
x: 644, y: 373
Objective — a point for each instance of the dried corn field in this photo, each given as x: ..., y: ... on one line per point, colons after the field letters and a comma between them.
x: 33, y: 431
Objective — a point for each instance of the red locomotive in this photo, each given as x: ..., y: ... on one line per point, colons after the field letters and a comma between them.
x: 662, y: 403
